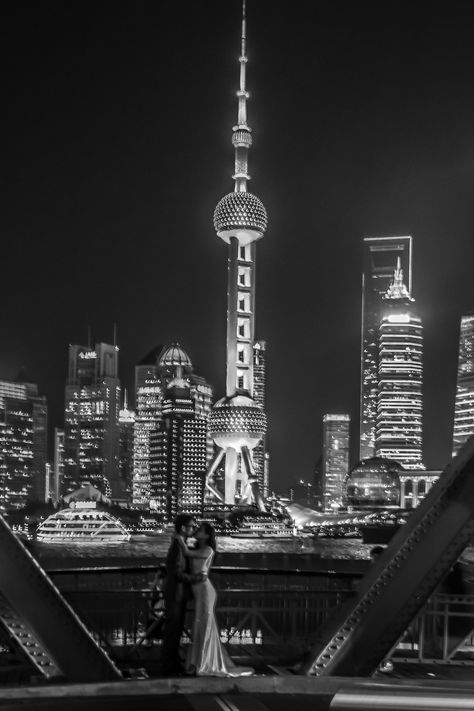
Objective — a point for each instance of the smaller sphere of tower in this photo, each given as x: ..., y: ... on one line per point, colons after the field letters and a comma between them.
x: 237, y: 422
x: 240, y: 215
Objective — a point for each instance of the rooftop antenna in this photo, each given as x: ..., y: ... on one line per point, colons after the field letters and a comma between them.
x: 89, y: 337
x: 115, y: 334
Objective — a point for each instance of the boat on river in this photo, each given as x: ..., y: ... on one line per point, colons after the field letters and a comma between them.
x: 82, y: 522
x: 260, y: 527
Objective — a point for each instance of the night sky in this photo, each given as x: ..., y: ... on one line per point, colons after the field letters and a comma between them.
x: 117, y: 146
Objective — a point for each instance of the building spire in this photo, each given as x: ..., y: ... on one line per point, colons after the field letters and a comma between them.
x: 397, y: 289
x: 241, y: 137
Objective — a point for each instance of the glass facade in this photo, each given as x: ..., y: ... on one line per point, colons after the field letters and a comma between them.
x: 374, y: 483
x: 126, y: 429
x: 91, y: 420
x: 179, y: 454
x: 23, y: 444
x: 335, y: 463
x: 399, y: 426
x: 464, y: 404
x: 153, y: 377
x: 260, y: 457
x: 380, y: 260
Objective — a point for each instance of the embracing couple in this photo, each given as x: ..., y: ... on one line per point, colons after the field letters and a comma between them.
x: 188, y: 578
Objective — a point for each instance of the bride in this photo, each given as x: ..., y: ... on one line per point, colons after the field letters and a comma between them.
x: 207, y: 656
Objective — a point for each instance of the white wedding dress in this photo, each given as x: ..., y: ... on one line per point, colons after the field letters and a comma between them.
x: 207, y: 656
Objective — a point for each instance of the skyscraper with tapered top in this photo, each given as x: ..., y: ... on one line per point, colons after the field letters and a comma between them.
x: 399, y: 426
x: 464, y: 405
x: 380, y: 260
x: 237, y: 422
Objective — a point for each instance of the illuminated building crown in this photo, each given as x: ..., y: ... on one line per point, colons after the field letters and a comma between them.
x: 397, y: 289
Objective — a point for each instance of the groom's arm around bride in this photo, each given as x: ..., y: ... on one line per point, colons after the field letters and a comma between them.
x: 177, y: 593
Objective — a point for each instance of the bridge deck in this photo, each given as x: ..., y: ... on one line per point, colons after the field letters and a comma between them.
x: 271, y: 693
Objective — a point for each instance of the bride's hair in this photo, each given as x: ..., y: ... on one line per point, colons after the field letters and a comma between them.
x: 210, y: 532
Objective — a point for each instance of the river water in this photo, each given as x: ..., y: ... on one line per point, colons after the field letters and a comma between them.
x: 346, y: 555
x: 234, y: 551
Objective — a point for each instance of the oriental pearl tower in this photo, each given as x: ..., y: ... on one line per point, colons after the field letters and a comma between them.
x: 237, y: 424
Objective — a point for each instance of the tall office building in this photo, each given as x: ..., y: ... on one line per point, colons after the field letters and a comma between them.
x: 179, y: 453
x: 260, y: 456
x: 399, y: 427
x: 126, y: 422
x: 464, y: 405
x: 335, y: 461
x: 23, y: 443
x: 380, y: 260
x: 153, y: 376
x: 237, y: 422
x: 58, y: 463
x: 91, y: 430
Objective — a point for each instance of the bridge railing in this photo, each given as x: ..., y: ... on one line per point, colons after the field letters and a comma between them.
x: 269, y: 612
x: 443, y: 633
x: 258, y: 608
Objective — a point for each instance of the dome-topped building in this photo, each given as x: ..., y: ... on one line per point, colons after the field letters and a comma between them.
x: 374, y: 483
x: 174, y: 356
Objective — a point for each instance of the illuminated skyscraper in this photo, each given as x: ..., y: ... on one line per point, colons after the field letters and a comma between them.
x: 237, y: 422
x: 380, y: 259
x: 399, y: 429
x: 335, y: 463
x: 58, y: 462
x: 464, y: 406
x: 162, y: 367
x: 23, y: 443
x: 91, y: 429
x: 126, y: 428
x: 179, y: 453
x: 260, y: 456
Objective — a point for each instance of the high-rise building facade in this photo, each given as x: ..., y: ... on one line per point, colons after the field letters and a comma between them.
x: 335, y: 461
x: 126, y: 431
x: 91, y: 429
x: 237, y: 422
x: 260, y: 456
x: 58, y: 463
x: 179, y: 453
x: 153, y: 379
x: 464, y: 404
x: 23, y: 443
x: 380, y: 260
x: 399, y: 427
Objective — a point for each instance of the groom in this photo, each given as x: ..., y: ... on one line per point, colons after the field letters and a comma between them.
x: 177, y: 594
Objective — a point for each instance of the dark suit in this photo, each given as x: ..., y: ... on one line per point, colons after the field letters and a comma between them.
x: 177, y: 595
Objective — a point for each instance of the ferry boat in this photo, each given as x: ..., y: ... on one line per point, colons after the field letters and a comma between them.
x: 265, y: 528
x: 82, y: 522
x: 145, y: 527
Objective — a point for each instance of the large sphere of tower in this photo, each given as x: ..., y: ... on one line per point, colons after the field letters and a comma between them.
x: 237, y: 422
x: 241, y: 215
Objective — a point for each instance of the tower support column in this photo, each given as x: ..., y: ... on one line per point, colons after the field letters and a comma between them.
x: 232, y: 297
x: 231, y: 473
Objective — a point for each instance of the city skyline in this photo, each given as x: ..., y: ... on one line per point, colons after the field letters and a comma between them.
x: 421, y: 185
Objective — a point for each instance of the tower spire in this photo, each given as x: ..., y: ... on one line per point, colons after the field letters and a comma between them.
x: 397, y: 289
x: 241, y: 137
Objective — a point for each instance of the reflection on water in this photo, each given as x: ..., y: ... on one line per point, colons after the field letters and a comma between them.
x: 156, y: 547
